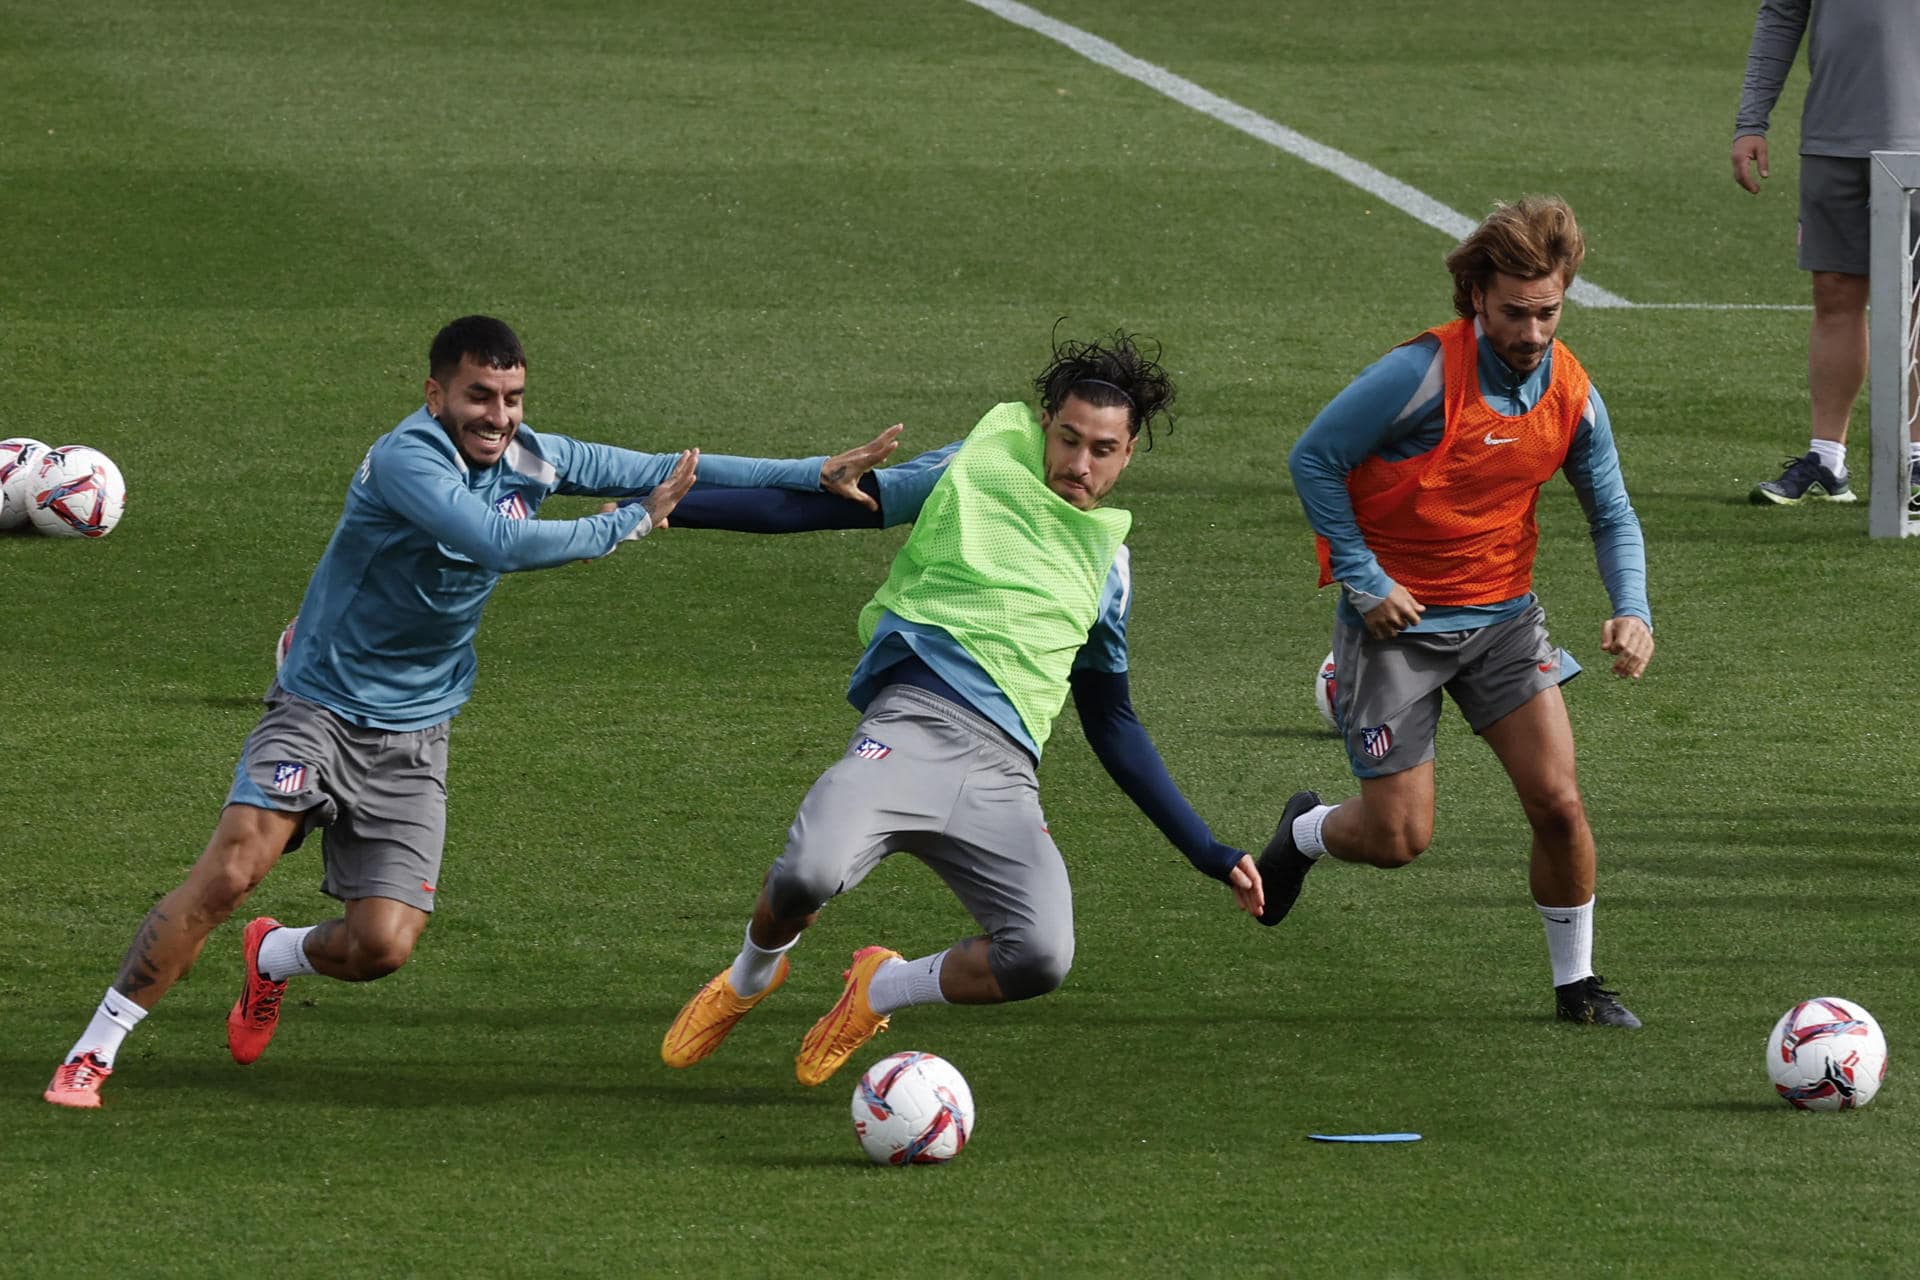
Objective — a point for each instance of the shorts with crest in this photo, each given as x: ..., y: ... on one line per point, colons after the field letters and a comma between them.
x: 381, y: 794
x: 1387, y: 696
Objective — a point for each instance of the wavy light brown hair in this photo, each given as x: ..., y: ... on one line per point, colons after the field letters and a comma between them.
x: 1534, y: 236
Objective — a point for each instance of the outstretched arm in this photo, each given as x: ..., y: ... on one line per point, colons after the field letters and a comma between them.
x: 1121, y: 743
x: 893, y: 496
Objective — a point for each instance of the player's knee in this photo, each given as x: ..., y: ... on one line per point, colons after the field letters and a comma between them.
x: 794, y: 892
x: 1557, y: 818
x: 1030, y: 965
x: 224, y: 877
x: 375, y: 955
x: 1395, y: 845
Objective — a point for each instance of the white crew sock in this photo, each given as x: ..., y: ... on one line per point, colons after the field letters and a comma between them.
x: 1306, y: 831
x: 283, y: 954
x: 1833, y: 456
x: 755, y: 966
x: 899, y: 983
x: 115, y: 1017
x: 1569, y: 941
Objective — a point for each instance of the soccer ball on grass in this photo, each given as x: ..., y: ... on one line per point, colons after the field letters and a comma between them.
x: 1827, y: 1054
x: 76, y: 492
x: 19, y: 459
x: 912, y: 1108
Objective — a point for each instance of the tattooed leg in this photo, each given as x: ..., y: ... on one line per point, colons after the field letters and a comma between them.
x: 244, y: 847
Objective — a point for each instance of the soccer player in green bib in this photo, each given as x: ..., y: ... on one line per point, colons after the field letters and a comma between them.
x: 1013, y: 590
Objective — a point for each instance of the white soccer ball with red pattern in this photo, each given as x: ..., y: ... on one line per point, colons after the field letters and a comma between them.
x: 912, y: 1108
x: 1827, y: 1054
x: 76, y: 492
x: 1323, y: 687
x: 19, y: 459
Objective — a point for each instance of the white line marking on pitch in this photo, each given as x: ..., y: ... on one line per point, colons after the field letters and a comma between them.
x: 1409, y: 200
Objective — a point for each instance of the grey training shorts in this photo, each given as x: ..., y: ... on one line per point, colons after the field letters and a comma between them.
x: 1387, y: 695
x: 1834, y: 229
x: 924, y: 776
x: 380, y: 793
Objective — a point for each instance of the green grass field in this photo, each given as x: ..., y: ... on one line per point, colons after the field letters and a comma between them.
x: 772, y: 228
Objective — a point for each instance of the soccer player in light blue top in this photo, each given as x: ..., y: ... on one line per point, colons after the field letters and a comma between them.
x: 354, y: 738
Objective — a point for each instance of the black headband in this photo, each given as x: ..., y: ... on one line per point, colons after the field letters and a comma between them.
x: 1102, y: 382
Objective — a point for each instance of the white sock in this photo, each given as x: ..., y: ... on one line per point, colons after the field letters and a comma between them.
x: 755, y: 966
x: 1306, y: 831
x: 1569, y: 941
x: 900, y: 983
x: 1833, y: 456
x: 283, y: 954
x: 115, y: 1017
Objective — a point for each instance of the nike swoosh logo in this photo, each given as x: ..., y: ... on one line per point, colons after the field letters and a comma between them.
x: 1561, y: 919
x: 1491, y: 438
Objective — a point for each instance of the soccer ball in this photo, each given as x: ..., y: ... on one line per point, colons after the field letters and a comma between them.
x: 1323, y: 689
x: 285, y: 643
x: 19, y: 459
x: 912, y: 1108
x: 1827, y: 1054
x: 76, y: 492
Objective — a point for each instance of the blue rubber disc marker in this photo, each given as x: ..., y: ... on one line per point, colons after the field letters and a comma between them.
x: 1364, y: 1137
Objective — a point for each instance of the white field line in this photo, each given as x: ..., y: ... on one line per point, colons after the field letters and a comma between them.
x: 1411, y: 201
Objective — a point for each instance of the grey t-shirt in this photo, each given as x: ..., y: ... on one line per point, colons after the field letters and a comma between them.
x: 1863, y: 66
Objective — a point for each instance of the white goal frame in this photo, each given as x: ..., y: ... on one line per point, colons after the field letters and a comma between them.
x: 1894, y: 344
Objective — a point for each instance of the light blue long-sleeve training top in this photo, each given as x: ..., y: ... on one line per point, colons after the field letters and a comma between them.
x: 385, y: 631
x: 1396, y: 409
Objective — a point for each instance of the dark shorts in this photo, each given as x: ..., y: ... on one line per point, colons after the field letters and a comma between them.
x: 1387, y: 698
x: 1834, y: 229
x: 381, y: 794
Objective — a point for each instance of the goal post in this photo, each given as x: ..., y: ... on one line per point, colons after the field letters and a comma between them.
x: 1894, y: 348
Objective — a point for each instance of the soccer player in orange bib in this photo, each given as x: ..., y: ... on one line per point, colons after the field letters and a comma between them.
x: 1420, y: 480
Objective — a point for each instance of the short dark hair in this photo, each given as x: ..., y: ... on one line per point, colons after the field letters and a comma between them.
x: 490, y: 342
x: 1106, y: 372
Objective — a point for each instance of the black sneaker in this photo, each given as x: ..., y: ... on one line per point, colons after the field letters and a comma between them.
x: 1802, y: 477
x: 1283, y: 868
x: 1589, y: 1003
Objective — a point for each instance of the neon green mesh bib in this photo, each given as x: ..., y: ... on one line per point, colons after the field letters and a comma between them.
x: 1004, y: 565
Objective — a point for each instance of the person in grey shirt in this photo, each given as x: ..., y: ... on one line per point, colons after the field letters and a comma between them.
x: 1863, y: 95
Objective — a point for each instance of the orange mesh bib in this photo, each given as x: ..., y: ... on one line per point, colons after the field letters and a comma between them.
x: 1455, y: 525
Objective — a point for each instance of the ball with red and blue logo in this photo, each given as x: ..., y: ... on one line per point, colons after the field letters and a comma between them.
x: 1827, y: 1054
x: 19, y: 459
x: 912, y: 1108
x: 76, y: 492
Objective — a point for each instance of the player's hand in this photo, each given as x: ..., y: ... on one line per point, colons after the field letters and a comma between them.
x: 667, y: 494
x: 1749, y: 151
x: 1394, y: 614
x: 1248, y: 889
x: 1631, y: 643
x: 841, y: 473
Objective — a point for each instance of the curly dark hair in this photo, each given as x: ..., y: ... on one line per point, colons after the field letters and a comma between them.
x: 1109, y: 371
